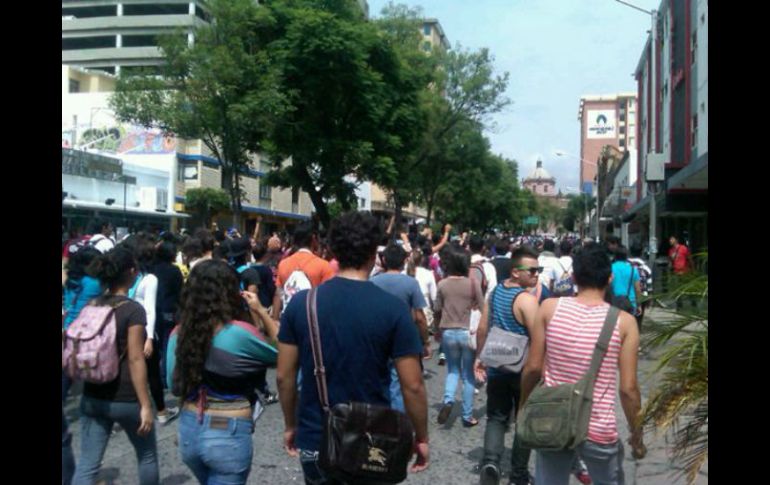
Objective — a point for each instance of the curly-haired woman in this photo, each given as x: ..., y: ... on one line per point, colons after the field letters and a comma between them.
x: 213, y: 360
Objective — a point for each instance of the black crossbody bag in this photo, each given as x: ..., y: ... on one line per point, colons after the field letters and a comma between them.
x: 361, y: 443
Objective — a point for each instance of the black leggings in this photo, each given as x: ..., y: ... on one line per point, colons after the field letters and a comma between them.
x: 153, y: 375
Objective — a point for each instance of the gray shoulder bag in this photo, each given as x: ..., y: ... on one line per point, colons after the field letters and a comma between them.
x: 505, y: 350
x: 556, y: 418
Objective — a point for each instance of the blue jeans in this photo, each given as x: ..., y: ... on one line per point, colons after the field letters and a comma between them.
x: 396, y: 397
x: 219, y: 450
x: 67, y: 458
x: 96, y: 419
x: 459, y: 359
x: 604, y: 463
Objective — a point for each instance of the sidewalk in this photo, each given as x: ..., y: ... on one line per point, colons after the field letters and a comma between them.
x: 655, y: 468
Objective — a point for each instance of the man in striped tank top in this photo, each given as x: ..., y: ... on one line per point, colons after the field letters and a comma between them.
x: 561, y: 350
x: 510, y: 307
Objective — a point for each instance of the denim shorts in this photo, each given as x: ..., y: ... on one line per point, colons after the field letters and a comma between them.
x: 218, y: 450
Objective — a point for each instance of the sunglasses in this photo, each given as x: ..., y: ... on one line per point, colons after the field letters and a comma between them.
x: 532, y: 271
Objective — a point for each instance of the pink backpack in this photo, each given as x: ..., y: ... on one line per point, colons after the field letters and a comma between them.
x: 89, y: 346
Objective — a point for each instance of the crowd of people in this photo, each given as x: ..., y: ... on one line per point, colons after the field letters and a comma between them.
x: 205, y: 314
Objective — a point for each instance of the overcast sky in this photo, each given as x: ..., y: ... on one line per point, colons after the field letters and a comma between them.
x: 555, y: 51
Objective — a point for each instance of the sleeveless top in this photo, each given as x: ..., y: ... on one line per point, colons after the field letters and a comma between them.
x: 570, y: 338
x: 501, y: 315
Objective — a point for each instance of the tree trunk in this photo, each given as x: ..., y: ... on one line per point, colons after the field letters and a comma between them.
x: 398, y: 211
x: 320, y: 207
x: 431, y: 201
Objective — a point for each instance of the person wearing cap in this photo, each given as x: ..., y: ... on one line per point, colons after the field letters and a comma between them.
x: 239, y: 255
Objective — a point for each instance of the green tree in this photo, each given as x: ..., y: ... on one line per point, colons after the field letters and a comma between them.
x: 347, y: 89
x: 678, y: 402
x: 223, y: 89
x: 206, y: 203
x: 577, y: 209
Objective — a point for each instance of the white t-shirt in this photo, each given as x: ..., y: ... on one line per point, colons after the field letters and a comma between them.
x: 427, y: 283
x: 551, y: 268
x: 489, y: 271
x: 146, y: 295
x: 566, y: 263
x: 103, y: 243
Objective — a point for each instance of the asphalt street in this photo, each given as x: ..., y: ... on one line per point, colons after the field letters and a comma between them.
x: 455, y: 450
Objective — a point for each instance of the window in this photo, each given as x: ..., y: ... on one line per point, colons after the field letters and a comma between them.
x: 156, y: 9
x: 694, y: 141
x: 74, y: 86
x: 202, y: 14
x: 187, y: 171
x: 295, y: 195
x: 107, y: 69
x: 631, y: 103
x: 622, y: 130
x: 264, y: 191
x: 426, y: 29
x: 622, y: 142
x: 96, y: 42
x: 631, y: 141
x: 426, y: 46
x: 90, y: 12
x: 362, y: 203
x: 623, y: 116
x: 139, y: 41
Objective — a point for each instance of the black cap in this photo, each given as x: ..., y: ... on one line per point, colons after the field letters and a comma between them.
x: 238, y: 247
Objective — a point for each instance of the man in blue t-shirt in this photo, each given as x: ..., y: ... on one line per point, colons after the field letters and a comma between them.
x: 362, y: 329
x: 406, y: 289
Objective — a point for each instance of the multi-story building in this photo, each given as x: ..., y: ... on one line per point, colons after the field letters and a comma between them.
x: 158, y: 170
x: 110, y: 35
x: 608, y: 119
x: 433, y: 35
x: 679, y: 109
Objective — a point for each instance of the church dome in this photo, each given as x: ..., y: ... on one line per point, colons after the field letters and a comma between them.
x: 540, y: 174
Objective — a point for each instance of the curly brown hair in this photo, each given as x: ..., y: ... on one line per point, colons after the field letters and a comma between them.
x: 210, y: 298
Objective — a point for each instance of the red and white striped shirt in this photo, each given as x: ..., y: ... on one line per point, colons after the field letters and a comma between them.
x: 570, y: 338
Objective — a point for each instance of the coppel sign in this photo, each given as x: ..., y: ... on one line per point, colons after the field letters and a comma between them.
x: 601, y: 124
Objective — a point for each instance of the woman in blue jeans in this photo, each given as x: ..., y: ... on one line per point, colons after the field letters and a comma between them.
x: 125, y: 400
x: 457, y: 295
x: 213, y: 361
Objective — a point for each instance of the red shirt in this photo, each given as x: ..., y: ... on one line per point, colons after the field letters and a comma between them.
x: 678, y: 256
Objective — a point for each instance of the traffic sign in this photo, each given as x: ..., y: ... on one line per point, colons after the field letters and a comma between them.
x: 532, y: 220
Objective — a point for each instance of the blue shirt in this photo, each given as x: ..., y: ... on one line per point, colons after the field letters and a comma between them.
x: 621, y: 272
x: 362, y: 328
x: 78, y: 296
x: 402, y: 286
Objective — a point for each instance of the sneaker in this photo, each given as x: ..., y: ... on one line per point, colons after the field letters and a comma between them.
x: 476, y: 391
x: 441, y: 359
x: 490, y: 475
x: 583, y: 477
x: 171, y: 413
x: 443, y: 415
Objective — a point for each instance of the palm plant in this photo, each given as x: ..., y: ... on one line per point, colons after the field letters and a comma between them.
x: 678, y: 404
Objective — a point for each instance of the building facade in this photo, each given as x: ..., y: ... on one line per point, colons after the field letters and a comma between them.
x: 147, y: 174
x: 679, y: 108
x: 604, y: 120
x: 110, y: 35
